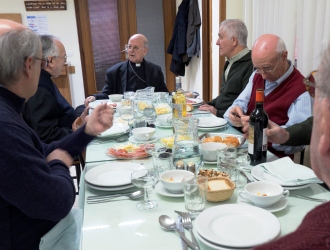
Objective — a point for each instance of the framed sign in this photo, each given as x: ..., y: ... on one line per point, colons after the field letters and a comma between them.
x: 45, y: 5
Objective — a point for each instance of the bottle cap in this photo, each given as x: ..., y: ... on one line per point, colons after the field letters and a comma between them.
x: 260, y: 95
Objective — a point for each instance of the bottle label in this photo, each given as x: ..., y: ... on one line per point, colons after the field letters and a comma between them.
x: 251, y: 140
x: 264, y: 140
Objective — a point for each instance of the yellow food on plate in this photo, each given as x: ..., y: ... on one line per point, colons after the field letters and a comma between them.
x: 142, y: 105
x: 168, y: 141
x: 162, y: 109
x: 128, y: 147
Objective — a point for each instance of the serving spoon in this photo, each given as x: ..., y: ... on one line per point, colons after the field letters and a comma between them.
x: 104, y: 198
x: 168, y: 223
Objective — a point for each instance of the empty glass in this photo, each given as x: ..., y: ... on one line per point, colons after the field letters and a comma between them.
x: 195, y: 189
x: 162, y: 162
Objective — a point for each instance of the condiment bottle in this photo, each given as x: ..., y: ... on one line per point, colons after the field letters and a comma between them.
x: 179, y: 104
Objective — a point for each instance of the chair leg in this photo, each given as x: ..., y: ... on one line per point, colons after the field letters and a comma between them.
x: 302, y: 156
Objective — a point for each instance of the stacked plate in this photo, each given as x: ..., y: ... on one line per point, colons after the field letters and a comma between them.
x: 116, y: 130
x: 258, y: 173
x: 211, y: 123
x: 112, y: 176
x: 195, y: 102
x: 236, y: 226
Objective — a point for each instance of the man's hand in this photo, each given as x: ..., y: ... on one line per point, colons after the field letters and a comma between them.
x: 235, y: 115
x: 277, y: 134
x: 88, y: 100
x: 100, y: 120
x: 59, y: 154
x: 206, y: 107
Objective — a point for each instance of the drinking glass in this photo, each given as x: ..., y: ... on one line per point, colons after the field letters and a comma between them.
x: 129, y: 119
x: 145, y: 179
x: 232, y: 160
x: 162, y: 162
x: 195, y: 189
x: 150, y: 113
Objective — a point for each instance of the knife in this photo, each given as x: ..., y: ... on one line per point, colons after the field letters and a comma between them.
x: 181, y: 229
x: 245, y: 176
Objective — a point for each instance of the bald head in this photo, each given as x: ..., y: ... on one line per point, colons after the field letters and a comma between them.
x: 140, y: 39
x: 137, y: 48
x: 267, y: 45
x: 7, y: 25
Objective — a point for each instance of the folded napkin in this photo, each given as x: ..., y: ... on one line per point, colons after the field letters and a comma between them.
x: 65, y: 234
x: 288, y: 171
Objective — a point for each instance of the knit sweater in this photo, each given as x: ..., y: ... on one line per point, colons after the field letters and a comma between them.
x: 313, y: 232
x: 34, y: 194
x: 237, y: 79
x: 300, y: 133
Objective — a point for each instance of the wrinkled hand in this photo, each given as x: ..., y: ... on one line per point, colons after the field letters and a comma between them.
x: 206, y: 107
x: 235, y: 115
x: 277, y: 134
x: 88, y: 100
x: 62, y: 155
x: 100, y: 120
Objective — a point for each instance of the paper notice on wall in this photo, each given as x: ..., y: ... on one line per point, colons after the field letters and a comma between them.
x: 38, y: 24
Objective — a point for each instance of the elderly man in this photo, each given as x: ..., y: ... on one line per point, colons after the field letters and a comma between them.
x: 286, y: 100
x: 314, y: 231
x: 36, y: 189
x: 132, y: 74
x: 48, y: 112
x: 238, y: 68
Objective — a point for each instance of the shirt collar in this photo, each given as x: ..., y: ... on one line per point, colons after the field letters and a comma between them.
x: 283, y: 77
x: 238, y: 56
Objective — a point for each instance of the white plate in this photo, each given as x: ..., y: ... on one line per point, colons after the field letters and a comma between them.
x: 210, y: 162
x: 93, y: 105
x: 278, y: 206
x: 133, y: 140
x: 157, y: 124
x: 110, y: 188
x: 259, y: 173
x: 211, y: 122
x: 197, y: 101
x: 211, y: 129
x: 116, y: 129
x: 162, y: 191
x: 288, y: 187
x: 237, y: 225
x: 112, y: 174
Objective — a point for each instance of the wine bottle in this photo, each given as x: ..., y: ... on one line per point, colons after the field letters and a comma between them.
x: 179, y: 104
x: 257, y: 140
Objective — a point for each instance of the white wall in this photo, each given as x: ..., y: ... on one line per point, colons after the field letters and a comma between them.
x: 63, y: 25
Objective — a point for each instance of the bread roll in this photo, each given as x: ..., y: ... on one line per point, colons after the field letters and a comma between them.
x: 190, y: 107
x: 215, y: 185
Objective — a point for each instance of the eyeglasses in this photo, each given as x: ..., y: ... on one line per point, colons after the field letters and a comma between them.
x: 63, y: 57
x: 267, y: 70
x: 134, y: 48
x: 309, y: 81
x: 43, y: 62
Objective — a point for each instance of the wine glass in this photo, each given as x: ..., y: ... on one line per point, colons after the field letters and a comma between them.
x: 145, y: 179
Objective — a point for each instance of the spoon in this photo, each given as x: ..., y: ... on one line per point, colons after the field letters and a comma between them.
x: 119, y: 139
x: 168, y: 223
x: 104, y: 198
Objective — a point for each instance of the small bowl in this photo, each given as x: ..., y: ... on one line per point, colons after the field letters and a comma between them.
x: 172, y: 180
x: 263, y: 193
x: 221, y: 194
x: 143, y: 133
x: 115, y: 97
x: 209, y: 150
x: 165, y: 119
x: 124, y: 109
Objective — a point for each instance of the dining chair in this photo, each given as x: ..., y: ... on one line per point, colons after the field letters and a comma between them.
x: 79, y: 166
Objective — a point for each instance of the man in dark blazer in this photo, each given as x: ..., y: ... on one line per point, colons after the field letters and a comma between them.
x: 132, y: 74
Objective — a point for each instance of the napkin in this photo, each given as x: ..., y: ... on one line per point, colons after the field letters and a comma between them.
x: 65, y: 234
x: 288, y: 171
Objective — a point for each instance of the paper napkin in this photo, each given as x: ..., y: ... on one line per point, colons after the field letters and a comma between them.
x: 286, y: 170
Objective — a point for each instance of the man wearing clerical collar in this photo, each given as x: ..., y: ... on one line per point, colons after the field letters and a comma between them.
x: 132, y: 74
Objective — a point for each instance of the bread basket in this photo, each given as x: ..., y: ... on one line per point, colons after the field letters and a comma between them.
x: 223, y: 194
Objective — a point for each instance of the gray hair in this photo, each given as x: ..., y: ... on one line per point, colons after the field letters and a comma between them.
x: 236, y: 28
x: 49, y: 48
x: 280, y: 48
x: 323, y: 75
x: 15, y: 47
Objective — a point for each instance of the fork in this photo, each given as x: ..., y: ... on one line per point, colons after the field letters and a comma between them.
x: 186, y: 221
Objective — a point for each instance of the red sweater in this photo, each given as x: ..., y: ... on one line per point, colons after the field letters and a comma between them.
x: 313, y: 232
x: 278, y: 102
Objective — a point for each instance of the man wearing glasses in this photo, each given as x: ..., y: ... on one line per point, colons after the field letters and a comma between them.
x: 48, y: 112
x: 132, y: 74
x: 286, y: 100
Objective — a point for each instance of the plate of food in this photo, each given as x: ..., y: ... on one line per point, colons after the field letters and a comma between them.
x: 228, y: 139
x: 194, y: 101
x: 127, y: 151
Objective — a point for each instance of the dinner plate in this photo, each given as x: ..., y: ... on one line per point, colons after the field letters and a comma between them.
x: 197, y: 101
x: 288, y: 187
x: 116, y: 129
x: 157, y: 124
x: 153, y: 139
x: 211, y: 129
x: 112, y: 174
x: 259, y: 173
x: 211, y: 122
x: 123, y: 157
x: 159, y: 188
x: 93, y: 104
x: 278, y: 206
x: 110, y: 188
x: 237, y: 225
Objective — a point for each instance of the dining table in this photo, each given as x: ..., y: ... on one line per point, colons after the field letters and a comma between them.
x: 118, y: 224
